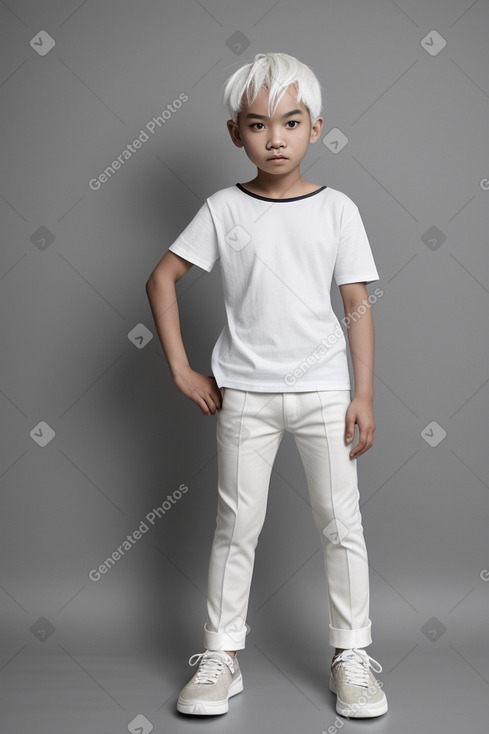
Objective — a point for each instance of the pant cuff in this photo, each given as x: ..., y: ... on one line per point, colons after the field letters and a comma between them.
x: 223, y: 640
x: 350, y: 638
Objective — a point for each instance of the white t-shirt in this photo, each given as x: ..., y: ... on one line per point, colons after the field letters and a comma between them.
x: 278, y: 257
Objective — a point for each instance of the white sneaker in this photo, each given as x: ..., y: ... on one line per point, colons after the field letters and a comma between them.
x: 217, y: 679
x: 358, y: 693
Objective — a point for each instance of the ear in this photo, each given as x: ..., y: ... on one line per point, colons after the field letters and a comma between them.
x: 234, y: 133
x: 316, y: 130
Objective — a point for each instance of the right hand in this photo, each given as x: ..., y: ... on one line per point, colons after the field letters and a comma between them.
x: 202, y: 389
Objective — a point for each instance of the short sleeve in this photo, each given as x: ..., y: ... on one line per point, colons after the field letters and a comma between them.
x: 198, y: 242
x: 354, y: 260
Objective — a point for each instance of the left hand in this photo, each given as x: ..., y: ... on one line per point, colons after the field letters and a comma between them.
x: 360, y: 411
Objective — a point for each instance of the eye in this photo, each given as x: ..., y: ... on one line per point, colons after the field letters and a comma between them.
x: 294, y: 122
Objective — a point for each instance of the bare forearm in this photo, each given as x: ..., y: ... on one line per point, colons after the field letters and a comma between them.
x: 164, y: 307
x: 362, y: 348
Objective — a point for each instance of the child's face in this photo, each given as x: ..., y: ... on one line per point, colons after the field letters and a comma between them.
x: 282, y: 134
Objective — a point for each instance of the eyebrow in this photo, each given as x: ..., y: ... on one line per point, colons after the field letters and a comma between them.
x: 264, y: 117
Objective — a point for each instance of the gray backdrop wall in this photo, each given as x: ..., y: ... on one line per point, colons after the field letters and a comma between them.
x: 96, y: 436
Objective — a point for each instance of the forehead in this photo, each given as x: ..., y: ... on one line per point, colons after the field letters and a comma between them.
x: 260, y: 104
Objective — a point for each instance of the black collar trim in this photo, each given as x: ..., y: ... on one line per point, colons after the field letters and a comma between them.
x: 267, y: 198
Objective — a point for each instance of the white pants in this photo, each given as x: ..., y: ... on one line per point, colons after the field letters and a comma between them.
x: 250, y: 427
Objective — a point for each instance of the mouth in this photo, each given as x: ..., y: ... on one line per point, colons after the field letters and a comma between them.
x: 278, y: 158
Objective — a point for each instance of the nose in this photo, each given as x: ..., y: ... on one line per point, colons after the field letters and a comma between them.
x: 276, y: 138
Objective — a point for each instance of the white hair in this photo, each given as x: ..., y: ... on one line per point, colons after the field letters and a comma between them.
x: 274, y: 71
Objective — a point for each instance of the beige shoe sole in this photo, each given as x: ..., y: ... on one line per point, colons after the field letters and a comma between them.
x: 355, y: 711
x: 203, y: 707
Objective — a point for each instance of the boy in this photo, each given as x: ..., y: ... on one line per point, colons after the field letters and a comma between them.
x: 279, y: 365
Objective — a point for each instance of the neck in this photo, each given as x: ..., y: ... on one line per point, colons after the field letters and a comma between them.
x: 281, y: 186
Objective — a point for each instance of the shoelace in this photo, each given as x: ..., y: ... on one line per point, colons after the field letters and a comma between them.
x: 357, y: 665
x: 211, y: 664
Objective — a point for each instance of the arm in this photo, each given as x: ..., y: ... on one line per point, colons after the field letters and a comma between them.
x: 160, y: 289
x: 362, y: 346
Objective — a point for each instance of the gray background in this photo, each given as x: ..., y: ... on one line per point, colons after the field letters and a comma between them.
x: 80, y: 655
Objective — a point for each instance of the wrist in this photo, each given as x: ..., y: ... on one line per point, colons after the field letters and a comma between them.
x: 179, y: 369
x: 364, y: 395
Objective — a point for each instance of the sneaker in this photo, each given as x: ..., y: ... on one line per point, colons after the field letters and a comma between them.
x: 217, y: 679
x: 358, y: 693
